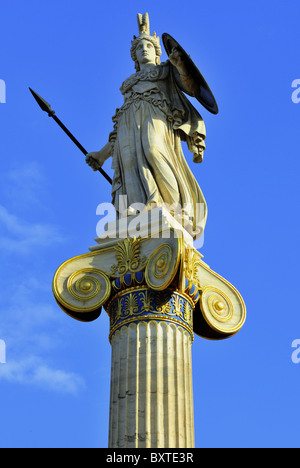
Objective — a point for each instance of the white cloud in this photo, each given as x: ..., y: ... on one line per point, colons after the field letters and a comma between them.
x: 30, y: 325
x: 22, y: 191
x: 19, y: 236
x: 34, y: 371
x: 24, y: 185
x: 29, y: 321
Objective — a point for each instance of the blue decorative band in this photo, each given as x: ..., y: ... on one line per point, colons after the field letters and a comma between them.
x: 142, y: 303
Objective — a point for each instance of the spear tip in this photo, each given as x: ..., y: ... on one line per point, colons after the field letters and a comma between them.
x: 44, y: 105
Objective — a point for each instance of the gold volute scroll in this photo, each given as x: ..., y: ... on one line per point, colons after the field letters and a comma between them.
x: 162, y: 266
x: 220, y: 312
x: 82, y: 294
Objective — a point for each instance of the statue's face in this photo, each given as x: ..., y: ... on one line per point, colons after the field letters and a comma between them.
x: 145, y: 52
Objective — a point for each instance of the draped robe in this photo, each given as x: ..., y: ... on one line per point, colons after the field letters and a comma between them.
x: 148, y: 161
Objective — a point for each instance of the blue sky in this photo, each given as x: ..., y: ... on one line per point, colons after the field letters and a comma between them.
x: 54, y: 387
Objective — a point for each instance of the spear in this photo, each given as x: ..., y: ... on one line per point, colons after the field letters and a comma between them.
x: 45, y: 106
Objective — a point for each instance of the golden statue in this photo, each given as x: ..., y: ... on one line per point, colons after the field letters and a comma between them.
x: 149, y: 165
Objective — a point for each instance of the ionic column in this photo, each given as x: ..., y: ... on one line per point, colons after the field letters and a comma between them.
x: 157, y: 292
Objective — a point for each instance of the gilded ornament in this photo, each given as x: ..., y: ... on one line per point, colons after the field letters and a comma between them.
x: 163, y: 302
x: 131, y: 305
x: 128, y: 257
x: 177, y: 302
x: 187, y: 312
x: 222, y: 310
x: 116, y: 311
x: 85, y: 290
x: 86, y: 285
x: 162, y: 266
x: 218, y: 305
x: 219, y: 312
x: 192, y: 263
x: 147, y: 299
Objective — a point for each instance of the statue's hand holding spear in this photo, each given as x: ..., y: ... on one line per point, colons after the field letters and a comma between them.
x: 96, y: 159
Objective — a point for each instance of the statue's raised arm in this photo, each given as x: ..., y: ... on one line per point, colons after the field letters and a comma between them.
x: 187, y: 75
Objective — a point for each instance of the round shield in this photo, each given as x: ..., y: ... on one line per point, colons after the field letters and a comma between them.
x: 204, y: 94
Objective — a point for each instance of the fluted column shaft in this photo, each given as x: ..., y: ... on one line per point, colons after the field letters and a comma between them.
x: 151, y: 402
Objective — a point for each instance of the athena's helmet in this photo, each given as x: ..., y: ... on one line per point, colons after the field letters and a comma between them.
x: 144, y: 30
